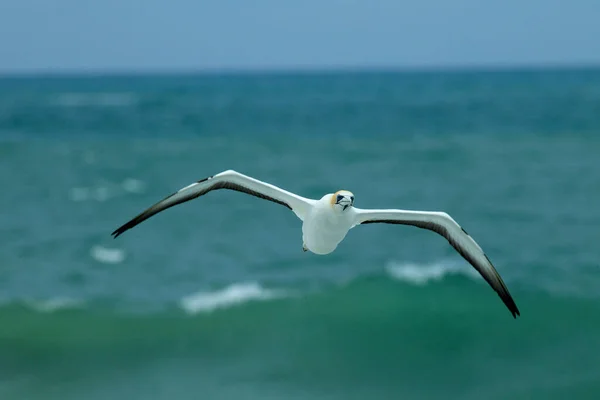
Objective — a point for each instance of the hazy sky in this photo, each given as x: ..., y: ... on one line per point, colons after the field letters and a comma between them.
x: 198, y: 34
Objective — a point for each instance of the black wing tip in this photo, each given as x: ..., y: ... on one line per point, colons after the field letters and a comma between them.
x: 509, y: 302
x: 516, y: 312
x: 507, y: 299
x: 118, y: 232
x: 504, y: 294
x: 125, y: 227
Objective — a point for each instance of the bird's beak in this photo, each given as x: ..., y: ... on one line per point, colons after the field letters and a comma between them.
x: 344, y: 202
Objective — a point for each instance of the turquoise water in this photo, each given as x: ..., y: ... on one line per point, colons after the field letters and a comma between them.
x: 215, y: 299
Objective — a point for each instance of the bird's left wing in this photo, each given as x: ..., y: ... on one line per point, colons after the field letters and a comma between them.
x: 444, y: 225
x: 231, y: 180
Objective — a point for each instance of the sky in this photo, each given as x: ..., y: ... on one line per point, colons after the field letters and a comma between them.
x: 150, y: 35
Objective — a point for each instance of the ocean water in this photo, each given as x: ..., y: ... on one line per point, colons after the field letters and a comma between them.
x: 214, y: 299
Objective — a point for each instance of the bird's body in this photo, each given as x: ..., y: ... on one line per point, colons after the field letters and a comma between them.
x: 327, y: 221
x: 324, y: 227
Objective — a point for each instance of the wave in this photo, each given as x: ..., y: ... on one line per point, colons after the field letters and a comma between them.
x: 369, y: 311
x: 244, y: 292
x: 234, y: 294
x: 54, y: 304
x: 239, y: 293
x: 107, y: 255
x: 421, y: 274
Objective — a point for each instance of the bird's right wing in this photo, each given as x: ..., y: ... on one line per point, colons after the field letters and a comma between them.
x: 231, y: 180
x: 444, y: 225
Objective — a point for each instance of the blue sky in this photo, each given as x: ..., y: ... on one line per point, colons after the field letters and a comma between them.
x: 241, y: 34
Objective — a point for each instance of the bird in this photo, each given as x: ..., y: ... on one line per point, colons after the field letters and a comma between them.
x: 327, y: 221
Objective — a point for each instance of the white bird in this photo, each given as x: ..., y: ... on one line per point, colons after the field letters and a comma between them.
x: 325, y: 222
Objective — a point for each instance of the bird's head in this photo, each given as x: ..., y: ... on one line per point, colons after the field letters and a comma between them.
x: 342, y: 199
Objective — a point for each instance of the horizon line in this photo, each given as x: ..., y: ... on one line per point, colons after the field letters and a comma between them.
x: 298, y: 69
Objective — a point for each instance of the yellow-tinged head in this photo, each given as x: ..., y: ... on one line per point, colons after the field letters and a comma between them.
x: 342, y: 199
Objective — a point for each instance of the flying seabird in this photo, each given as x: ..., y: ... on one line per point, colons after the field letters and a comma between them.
x: 325, y: 222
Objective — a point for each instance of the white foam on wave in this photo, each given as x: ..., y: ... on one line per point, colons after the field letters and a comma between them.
x: 54, y: 304
x: 229, y: 296
x: 133, y: 185
x: 107, y: 255
x: 421, y: 274
x: 99, y: 193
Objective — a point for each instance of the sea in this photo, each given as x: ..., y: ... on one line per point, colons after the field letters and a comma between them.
x: 215, y: 299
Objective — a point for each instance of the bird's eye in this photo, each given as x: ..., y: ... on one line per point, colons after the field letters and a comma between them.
x: 339, y: 198
x: 352, y: 199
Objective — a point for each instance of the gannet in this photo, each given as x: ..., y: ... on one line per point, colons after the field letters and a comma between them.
x: 326, y: 222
